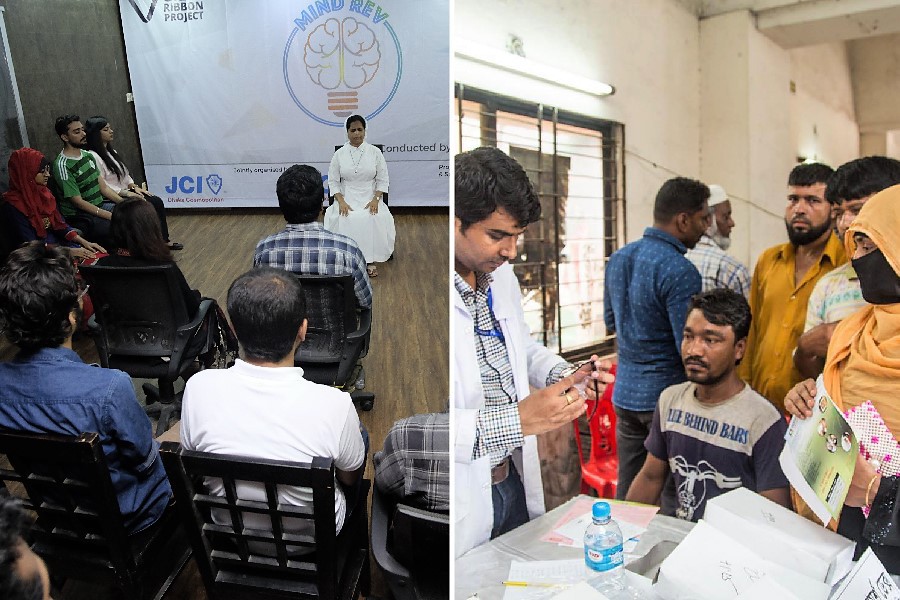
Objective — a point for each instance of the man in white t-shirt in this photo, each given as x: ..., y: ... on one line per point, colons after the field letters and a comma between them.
x: 262, y: 407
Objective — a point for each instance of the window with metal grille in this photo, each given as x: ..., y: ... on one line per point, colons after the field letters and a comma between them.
x: 575, y: 164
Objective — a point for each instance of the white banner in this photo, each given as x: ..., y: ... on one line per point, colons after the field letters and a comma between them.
x: 229, y: 93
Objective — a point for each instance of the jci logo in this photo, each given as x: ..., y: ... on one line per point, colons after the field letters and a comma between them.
x: 339, y: 61
x: 194, y: 185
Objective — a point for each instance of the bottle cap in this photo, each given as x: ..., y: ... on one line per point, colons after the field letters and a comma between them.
x: 600, y: 510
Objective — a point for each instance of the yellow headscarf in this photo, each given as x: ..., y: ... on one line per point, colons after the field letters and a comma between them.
x: 864, y: 354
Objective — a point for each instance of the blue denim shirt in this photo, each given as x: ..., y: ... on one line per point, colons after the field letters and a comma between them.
x: 53, y: 391
x: 648, y: 285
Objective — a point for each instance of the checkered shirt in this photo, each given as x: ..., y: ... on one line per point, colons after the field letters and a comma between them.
x: 310, y: 249
x: 719, y: 269
x: 414, y: 465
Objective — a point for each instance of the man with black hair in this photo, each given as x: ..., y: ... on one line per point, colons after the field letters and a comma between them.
x: 262, y: 407
x: 837, y: 294
x: 86, y: 200
x: 783, y: 281
x: 23, y: 575
x: 305, y: 246
x: 646, y: 292
x: 713, y: 433
x: 497, y: 484
x: 46, y: 388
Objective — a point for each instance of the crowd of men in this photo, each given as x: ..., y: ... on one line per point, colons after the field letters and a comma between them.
x: 708, y: 357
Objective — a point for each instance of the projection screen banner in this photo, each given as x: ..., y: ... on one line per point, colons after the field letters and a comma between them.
x: 229, y: 93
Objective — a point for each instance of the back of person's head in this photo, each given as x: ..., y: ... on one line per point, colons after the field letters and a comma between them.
x: 62, y: 123
x: 488, y: 180
x: 807, y: 174
x: 300, y: 193
x: 38, y: 291
x: 862, y: 177
x: 355, y: 119
x: 135, y: 227
x: 724, y: 307
x: 20, y: 575
x: 679, y: 195
x: 267, y: 309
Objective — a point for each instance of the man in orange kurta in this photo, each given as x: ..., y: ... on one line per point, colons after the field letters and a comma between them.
x: 783, y: 280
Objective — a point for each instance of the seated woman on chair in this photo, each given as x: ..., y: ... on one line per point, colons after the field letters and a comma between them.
x: 138, y: 242
x: 31, y: 207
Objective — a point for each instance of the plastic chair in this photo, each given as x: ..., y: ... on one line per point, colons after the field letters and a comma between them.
x: 411, y: 546
x: 337, y: 336
x: 601, y: 470
x: 141, y: 326
x: 232, y: 558
x: 79, y: 530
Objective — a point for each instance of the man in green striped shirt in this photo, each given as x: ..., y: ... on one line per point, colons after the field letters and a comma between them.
x: 86, y: 201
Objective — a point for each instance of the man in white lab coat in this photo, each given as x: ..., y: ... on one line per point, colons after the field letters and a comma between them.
x: 497, y: 480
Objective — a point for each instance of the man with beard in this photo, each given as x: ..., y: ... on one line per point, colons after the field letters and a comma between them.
x: 717, y: 268
x: 783, y: 280
x: 46, y: 388
x: 86, y: 201
x: 713, y: 433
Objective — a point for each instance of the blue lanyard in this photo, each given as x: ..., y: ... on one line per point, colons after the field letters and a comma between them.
x: 495, y: 332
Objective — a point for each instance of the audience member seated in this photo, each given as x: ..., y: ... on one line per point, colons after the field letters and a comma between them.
x: 863, y: 363
x: 837, y: 294
x: 23, y: 575
x: 46, y: 388
x: 414, y: 465
x: 31, y: 207
x: 714, y: 433
x: 262, y: 407
x: 305, y: 246
x: 85, y: 199
x: 114, y: 172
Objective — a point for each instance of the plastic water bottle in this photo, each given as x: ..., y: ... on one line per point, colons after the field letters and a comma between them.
x: 603, y: 549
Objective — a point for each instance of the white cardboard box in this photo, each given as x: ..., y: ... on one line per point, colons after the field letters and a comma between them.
x: 780, y: 535
x: 709, y: 565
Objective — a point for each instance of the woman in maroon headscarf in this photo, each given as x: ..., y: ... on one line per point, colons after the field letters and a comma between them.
x: 32, y: 208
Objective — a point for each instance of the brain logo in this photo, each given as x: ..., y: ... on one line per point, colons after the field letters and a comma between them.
x: 342, y: 52
x: 341, y: 67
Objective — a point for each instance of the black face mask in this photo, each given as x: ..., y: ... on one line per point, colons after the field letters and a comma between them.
x: 877, y: 279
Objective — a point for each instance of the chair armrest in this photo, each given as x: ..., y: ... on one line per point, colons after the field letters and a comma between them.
x: 365, y: 324
x: 96, y: 332
x: 380, y: 527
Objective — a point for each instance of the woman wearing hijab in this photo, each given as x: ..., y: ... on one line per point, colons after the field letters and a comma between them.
x: 358, y: 178
x: 863, y: 363
x: 32, y: 208
x: 115, y: 173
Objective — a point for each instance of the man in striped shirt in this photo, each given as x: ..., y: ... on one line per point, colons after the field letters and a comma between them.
x: 84, y: 198
x: 717, y: 268
x: 305, y: 246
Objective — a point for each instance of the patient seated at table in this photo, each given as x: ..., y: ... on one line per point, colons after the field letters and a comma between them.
x: 713, y: 433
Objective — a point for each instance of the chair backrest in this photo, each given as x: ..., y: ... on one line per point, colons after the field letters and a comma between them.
x: 331, y: 310
x: 603, y: 424
x: 139, y: 309
x: 228, y: 554
x: 420, y: 538
x: 66, y: 482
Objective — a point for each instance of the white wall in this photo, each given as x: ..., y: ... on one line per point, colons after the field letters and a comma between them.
x: 648, y: 49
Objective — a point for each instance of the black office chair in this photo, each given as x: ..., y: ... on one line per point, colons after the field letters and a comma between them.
x: 141, y: 326
x: 79, y: 531
x: 337, y: 336
x: 411, y: 546
x: 231, y: 557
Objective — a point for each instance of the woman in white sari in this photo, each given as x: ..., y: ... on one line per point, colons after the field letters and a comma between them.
x: 357, y: 178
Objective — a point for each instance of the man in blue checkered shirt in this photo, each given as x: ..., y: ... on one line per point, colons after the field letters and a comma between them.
x: 305, y: 246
